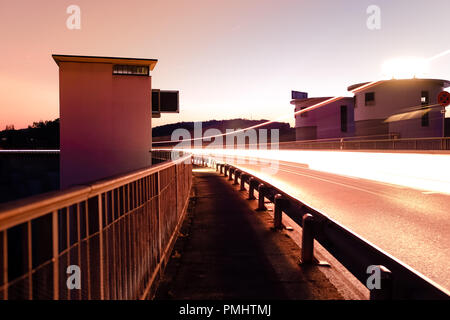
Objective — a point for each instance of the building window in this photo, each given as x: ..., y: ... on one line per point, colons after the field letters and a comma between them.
x: 426, y: 119
x: 130, y: 70
x: 370, y: 98
x: 303, y: 114
x: 424, y: 98
x: 344, y: 119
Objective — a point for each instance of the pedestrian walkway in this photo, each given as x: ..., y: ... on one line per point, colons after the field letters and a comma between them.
x: 227, y: 250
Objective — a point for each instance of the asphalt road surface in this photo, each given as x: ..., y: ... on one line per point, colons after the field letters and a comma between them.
x: 412, y: 225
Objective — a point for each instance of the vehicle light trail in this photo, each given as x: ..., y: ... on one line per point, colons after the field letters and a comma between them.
x: 310, y: 108
x: 439, y: 55
x: 413, y: 170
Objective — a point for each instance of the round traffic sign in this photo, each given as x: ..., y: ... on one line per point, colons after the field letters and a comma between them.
x: 444, y: 98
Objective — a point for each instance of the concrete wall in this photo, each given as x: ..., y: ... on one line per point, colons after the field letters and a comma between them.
x: 393, y: 97
x: 326, y: 119
x: 306, y: 133
x: 105, y: 122
x: 372, y: 127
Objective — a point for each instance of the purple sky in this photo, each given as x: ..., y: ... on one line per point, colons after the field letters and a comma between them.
x: 229, y: 58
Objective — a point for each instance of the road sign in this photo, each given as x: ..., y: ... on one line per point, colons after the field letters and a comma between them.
x: 444, y: 98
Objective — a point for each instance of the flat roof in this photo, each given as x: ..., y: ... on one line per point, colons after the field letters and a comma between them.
x: 316, y: 99
x: 113, y: 60
x: 444, y: 83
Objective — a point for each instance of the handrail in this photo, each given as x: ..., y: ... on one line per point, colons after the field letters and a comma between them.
x: 19, y: 211
x: 118, y: 232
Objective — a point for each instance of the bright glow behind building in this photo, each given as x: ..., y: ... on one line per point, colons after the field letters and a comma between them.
x: 405, y: 68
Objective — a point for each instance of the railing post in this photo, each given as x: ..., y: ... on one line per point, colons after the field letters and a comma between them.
x: 261, y: 192
x: 307, y: 239
x: 225, y: 171
x: 230, y: 173
x: 237, y: 173
x: 100, y: 236
x: 385, y: 290
x: 277, y: 216
x: 251, y: 188
x: 243, y: 177
x: 55, y: 247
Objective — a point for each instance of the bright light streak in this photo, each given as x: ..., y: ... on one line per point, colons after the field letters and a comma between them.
x: 366, y: 86
x: 258, y: 125
x: 414, y: 170
x: 439, y: 55
x: 398, y: 68
x: 405, y: 68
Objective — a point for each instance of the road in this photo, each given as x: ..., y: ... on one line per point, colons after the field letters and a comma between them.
x: 412, y: 225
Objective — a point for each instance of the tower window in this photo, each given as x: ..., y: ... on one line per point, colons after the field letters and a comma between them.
x: 130, y: 70
x: 370, y: 98
x: 425, y: 119
x: 344, y: 118
x: 303, y: 114
x: 424, y: 99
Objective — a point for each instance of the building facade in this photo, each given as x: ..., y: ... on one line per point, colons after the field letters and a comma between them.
x: 406, y: 108
x: 332, y: 120
x: 105, y: 116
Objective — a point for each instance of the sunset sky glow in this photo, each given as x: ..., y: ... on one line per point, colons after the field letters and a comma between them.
x: 229, y: 59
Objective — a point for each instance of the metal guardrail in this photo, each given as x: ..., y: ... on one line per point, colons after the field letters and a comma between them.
x: 371, y: 144
x: 119, y: 232
x: 353, y: 143
x: 399, y: 281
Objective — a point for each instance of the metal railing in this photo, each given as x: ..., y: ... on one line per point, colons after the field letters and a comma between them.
x: 399, y: 281
x: 118, y: 232
x: 371, y: 144
x: 349, y: 143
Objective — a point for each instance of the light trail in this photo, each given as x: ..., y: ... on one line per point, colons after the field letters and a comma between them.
x: 310, y: 108
x: 313, y: 107
x: 439, y: 55
x: 413, y: 170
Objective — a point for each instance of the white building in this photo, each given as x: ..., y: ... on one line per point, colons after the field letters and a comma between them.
x: 407, y: 108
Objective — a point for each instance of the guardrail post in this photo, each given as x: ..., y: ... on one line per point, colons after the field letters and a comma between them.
x: 221, y: 168
x: 237, y: 173
x: 243, y: 177
x: 225, y: 171
x: 307, y: 239
x: 261, y: 192
x: 230, y: 173
x: 385, y: 290
x: 277, y: 216
x: 251, y: 188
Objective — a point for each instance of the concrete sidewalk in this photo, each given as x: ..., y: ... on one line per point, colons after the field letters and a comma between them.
x: 227, y: 250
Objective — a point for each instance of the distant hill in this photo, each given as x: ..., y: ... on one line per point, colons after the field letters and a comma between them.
x: 162, y: 133
x: 40, y: 135
x: 45, y: 134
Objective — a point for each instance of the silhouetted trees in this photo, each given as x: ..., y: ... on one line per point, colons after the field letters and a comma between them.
x: 45, y: 134
x: 40, y: 135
